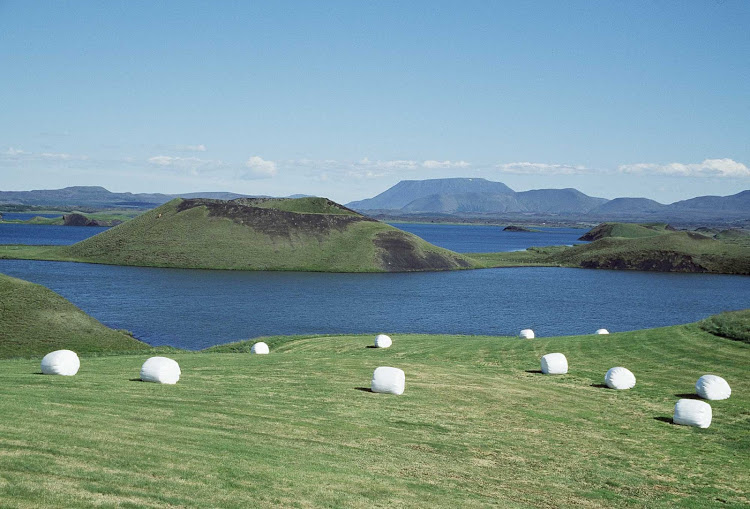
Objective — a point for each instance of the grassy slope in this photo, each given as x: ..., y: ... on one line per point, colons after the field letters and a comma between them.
x: 192, y: 238
x: 35, y: 321
x: 668, y: 251
x: 477, y: 426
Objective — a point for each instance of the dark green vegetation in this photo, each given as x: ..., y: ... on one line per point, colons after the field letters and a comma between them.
x: 258, y: 234
x: 35, y: 321
x: 520, y: 229
x: 732, y: 325
x: 654, y: 247
x: 80, y: 219
x: 477, y: 426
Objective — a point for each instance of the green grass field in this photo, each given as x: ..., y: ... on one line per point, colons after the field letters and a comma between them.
x: 477, y: 426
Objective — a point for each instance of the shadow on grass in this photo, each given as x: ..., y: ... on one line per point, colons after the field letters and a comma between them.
x: 371, y: 346
x: 688, y: 395
x: 535, y: 371
x: 664, y: 419
x: 600, y: 386
x: 135, y: 380
x: 363, y: 389
x: 37, y: 373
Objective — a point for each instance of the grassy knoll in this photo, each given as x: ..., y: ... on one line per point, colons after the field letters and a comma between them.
x: 214, y: 234
x: 476, y: 427
x: 668, y: 251
x: 35, y: 320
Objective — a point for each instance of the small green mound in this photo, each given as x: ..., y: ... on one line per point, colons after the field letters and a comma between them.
x: 262, y: 234
x: 35, y: 321
x: 731, y: 324
x: 626, y: 230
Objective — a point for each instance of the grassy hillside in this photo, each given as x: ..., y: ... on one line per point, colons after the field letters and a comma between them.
x: 36, y: 321
x: 477, y: 426
x: 214, y: 234
x: 636, y: 247
x: 626, y: 230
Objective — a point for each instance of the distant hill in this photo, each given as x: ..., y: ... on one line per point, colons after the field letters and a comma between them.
x: 407, y: 191
x: 99, y: 197
x: 304, y: 234
x: 472, y: 198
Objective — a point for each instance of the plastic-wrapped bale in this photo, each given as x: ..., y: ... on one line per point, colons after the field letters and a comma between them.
x: 260, y: 348
x: 383, y: 341
x: 619, y: 378
x: 712, y: 387
x: 692, y: 412
x: 526, y: 334
x: 61, y: 362
x: 602, y: 331
x: 161, y: 370
x: 554, y: 364
x: 388, y: 380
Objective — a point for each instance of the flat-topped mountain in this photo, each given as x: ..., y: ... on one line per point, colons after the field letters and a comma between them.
x: 304, y: 234
x: 476, y: 197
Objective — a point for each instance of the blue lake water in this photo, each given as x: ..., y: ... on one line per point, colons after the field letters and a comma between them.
x: 198, y: 308
x: 490, y: 239
x: 50, y: 235
x: 25, y: 216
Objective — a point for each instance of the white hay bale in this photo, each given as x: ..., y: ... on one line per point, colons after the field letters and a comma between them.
x: 712, y: 387
x: 161, y: 370
x: 619, y: 378
x: 383, y: 341
x: 602, y: 331
x: 388, y: 380
x: 61, y: 362
x: 554, y: 364
x: 260, y: 348
x: 526, y: 334
x: 692, y: 412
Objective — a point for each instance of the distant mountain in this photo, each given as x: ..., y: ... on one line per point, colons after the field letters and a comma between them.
x: 407, y: 191
x: 475, y: 197
x: 99, y: 197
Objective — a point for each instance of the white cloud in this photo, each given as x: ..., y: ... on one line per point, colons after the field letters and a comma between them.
x: 191, y: 148
x: 527, y: 168
x: 445, y: 164
x: 14, y: 152
x: 259, y: 168
x: 63, y: 156
x: 708, y: 168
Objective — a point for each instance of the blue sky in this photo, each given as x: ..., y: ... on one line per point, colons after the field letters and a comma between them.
x: 344, y: 99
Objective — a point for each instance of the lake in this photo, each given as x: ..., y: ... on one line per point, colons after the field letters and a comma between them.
x: 198, y: 308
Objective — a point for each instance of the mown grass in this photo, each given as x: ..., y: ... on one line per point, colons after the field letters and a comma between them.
x: 477, y: 426
x: 35, y: 320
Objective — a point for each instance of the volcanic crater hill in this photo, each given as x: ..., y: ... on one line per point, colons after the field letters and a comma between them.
x: 304, y: 234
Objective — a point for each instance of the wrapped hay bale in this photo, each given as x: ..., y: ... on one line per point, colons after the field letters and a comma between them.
x: 554, y: 364
x: 260, y: 348
x: 383, y: 341
x: 526, y: 334
x: 61, y: 362
x: 602, y: 331
x: 161, y: 370
x: 388, y: 380
x: 712, y: 387
x: 619, y: 378
x: 692, y: 412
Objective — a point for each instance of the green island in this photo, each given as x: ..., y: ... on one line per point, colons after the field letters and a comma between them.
x: 316, y: 234
x: 478, y: 425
